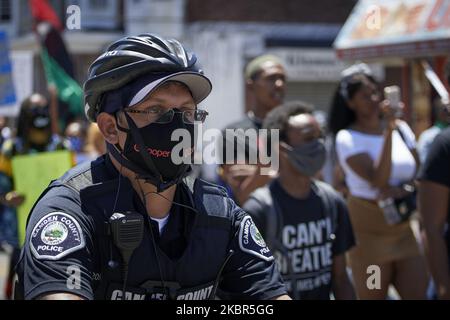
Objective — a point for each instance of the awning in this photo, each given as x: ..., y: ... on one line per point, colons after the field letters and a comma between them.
x: 395, y: 28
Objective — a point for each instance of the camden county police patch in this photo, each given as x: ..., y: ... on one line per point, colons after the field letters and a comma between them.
x: 56, y: 235
x: 251, y: 240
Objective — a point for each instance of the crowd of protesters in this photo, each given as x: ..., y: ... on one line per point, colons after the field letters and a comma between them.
x: 327, y: 240
x: 33, y: 131
x: 325, y: 236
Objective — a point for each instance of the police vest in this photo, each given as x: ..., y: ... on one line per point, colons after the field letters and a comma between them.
x: 194, y: 276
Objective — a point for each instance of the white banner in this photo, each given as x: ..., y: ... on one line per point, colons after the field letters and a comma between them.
x: 22, y: 66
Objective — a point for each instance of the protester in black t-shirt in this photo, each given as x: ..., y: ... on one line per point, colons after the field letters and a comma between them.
x: 303, y: 220
x: 434, y: 207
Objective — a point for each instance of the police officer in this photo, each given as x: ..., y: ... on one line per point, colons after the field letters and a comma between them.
x: 132, y: 224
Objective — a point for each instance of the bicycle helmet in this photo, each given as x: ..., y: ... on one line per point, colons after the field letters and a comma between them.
x: 131, y: 58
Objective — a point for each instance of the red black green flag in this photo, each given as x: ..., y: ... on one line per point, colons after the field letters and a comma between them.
x: 56, y: 59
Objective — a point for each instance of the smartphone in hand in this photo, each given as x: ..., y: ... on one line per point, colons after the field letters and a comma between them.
x: 392, y: 94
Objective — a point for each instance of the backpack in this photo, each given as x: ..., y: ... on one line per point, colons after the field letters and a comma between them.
x: 274, y: 218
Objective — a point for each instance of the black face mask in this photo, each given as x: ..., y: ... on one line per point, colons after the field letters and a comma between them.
x: 39, y: 117
x: 159, y: 146
x: 39, y: 127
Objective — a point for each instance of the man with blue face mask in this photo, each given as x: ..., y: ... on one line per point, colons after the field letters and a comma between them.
x: 304, y: 221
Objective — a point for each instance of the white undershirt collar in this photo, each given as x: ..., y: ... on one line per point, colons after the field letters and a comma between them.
x: 161, y: 222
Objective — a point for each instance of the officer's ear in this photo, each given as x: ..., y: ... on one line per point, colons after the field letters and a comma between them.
x: 107, y: 124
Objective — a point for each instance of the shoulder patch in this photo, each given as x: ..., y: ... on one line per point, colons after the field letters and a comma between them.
x: 56, y: 235
x: 251, y: 240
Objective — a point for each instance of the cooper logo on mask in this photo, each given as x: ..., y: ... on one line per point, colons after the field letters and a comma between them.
x: 159, y: 137
x: 154, y: 152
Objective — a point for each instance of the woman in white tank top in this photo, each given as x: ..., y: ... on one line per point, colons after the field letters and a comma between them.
x: 376, y: 152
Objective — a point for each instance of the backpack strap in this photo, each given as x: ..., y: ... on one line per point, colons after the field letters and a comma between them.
x: 402, y: 135
x: 327, y: 194
x: 272, y: 215
x: 274, y: 225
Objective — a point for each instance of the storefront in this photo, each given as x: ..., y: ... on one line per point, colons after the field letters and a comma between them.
x: 314, y: 73
x: 410, y: 34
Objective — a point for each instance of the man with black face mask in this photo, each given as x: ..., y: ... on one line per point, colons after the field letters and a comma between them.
x: 304, y: 221
x: 133, y: 225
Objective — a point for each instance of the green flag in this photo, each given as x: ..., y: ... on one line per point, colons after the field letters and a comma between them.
x: 69, y: 90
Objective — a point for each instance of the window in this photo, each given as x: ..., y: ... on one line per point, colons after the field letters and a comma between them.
x: 100, y: 14
x: 5, y: 10
x: 98, y: 4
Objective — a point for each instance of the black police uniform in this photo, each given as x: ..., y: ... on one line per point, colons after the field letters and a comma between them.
x: 69, y: 248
